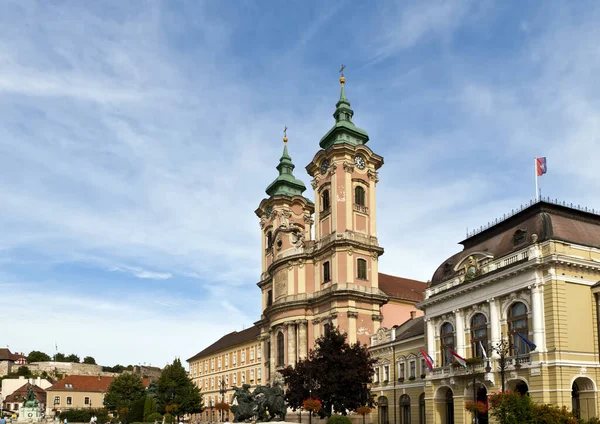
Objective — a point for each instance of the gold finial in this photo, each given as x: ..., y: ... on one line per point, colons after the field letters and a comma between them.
x: 342, y: 78
x: 285, y: 139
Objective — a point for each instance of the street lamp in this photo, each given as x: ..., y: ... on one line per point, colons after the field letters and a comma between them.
x: 503, y: 350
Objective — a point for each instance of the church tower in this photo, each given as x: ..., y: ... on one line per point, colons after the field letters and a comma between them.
x: 311, y: 285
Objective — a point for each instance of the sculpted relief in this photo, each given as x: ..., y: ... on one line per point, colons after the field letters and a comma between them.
x: 280, y: 283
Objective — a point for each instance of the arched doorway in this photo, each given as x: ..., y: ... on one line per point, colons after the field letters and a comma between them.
x: 404, y: 409
x: 443, y: 401
x: 482, y: 397
x: 583, y: 398
x: 519, y: 386
x: 422, y: 408
x: 449, y: 407
x: 382, y: 410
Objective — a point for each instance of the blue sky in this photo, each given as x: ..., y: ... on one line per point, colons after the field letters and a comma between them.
x: 137, y: 138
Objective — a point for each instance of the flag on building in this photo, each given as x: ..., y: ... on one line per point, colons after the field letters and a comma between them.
x: 528, y: 342
x: 541, y: 166
x: 457, y: 357
x: 428, y: 359
x: 483, y: 353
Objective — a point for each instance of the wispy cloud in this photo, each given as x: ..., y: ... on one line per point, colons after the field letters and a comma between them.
x: 142, y: 273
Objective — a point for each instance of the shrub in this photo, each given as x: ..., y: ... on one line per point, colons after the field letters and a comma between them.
x: 510, y: 408
x: 312, y: 405
x: 154, y: 417
x: 552, y: 414
x: 363, y: 410
x: 136, y: 412
x: 339, y: 419
x: 168, y: 417
x: 83, y: 415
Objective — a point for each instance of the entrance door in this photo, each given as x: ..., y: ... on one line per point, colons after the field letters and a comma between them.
x: 449, y: 407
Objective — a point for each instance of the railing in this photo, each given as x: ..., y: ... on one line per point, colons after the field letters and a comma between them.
x: 361, y: 208
x: 527, y: 205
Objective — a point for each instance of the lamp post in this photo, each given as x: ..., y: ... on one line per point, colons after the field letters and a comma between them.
x: 503, y: 350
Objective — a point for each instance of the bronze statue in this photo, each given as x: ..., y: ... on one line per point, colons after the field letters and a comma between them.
x: 263, y: 404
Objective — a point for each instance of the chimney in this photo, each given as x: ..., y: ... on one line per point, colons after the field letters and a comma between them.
x: 39, y: 381
x: 412, y: 314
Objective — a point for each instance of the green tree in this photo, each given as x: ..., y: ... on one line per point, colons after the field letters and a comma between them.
x: 174, y: 387
x: 73, y: 358
x: 123, y: 391
x: 37, y: 356
x: 149, y: 407
x: 24, y: 371
x: 335, y: 372
x: 89, y: 360
x: 60, y: 357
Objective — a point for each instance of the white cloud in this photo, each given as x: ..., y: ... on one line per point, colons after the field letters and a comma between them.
x: 142, y: 273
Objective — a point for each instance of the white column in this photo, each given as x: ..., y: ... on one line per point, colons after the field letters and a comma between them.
x: 537, y: 310
x: 291, y: 345
x: 430, y: 338
x: 494, y: 324
x: 460, y: 332
x: 302, y: 339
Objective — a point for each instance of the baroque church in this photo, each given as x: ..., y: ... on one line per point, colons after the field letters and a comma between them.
x: 519, y: 303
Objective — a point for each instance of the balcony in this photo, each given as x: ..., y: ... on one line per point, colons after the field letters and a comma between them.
x: 361, y: 209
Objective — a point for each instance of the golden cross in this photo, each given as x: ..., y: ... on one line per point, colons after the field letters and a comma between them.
x: 342, y: 69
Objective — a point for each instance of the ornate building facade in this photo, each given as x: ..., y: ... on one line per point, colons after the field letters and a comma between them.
x: 319, y: 259
x: 525, y: 292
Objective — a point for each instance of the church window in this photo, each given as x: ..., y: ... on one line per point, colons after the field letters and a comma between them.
x: 269, y: 297
x: 517, y: 325
x: 359, y: 196
x: 447, y: 343
x: 325, y: 200
x: 269, y: 239
x: 280, y: 349
x: 326, y: 272
x: 361, y: 266
x: 479, y: 334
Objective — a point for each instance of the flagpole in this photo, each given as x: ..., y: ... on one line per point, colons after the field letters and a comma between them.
x: 537, y: 193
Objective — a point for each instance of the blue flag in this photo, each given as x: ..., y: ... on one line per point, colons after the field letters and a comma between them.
x: 529, y: 343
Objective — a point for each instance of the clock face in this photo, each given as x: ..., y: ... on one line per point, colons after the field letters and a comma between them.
x: 471, y: 271
x: 324, y: 166
x: 359, y: 161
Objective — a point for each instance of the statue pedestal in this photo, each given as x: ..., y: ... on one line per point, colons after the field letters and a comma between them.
x: 29, y: 414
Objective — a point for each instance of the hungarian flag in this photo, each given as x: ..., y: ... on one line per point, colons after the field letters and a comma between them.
x: 458, y: 358
x: 541, y: 166
x: 428, y: 359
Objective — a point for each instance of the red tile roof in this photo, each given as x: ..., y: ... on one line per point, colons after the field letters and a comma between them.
x: 21, y: 392
x: 82, y: 383
x: 402, y: 288
x: 7, y: 355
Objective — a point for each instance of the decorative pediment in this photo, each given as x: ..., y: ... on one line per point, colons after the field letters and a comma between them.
x: 472, y: 264
x: 519, y: 236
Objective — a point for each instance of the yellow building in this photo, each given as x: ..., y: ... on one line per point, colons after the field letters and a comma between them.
x: 526, y: 286
x: 77, y: 391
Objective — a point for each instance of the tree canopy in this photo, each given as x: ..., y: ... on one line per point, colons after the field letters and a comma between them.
x: 89, y: 360
x: 175, y: 390
x: 37, y: 356
x: 337, y: 373
x: 123, y: 391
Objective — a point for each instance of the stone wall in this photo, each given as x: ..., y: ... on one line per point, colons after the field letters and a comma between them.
x: 5, y: 368
x: 68, y: 368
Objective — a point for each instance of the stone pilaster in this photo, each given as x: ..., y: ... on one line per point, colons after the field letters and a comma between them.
x: 302, y: 339
x: 494, y: 325
x: 537, y: 311
x: 273, y: 335
x: 460, y: 332
x: 291, y: 344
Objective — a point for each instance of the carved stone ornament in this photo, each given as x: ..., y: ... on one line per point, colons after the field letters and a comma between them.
x: 377, y: 317
x: 333, y: 315
x: 374, y: 256
x: 308, y: 220
x: 350, y: 251
x: 262, y: 222
x: 297, y: 239
x: 315, y: 321
x: 373, y: 175
x: 349, y: 167
x: 380, y: 335
x: 352, y: 314
x: 332, y: 169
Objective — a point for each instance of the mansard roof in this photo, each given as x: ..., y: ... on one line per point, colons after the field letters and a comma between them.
x: 412, y: 328
x: 229, y: 340
x: 547, y: 220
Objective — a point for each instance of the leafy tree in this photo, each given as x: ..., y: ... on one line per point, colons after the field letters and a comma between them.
x: 123, y: 391
x: 149, y: 407
x: 37, y: 356
x: 60, y: 357
x: 338, y: 374
x: 24, y: 371
x: 174, y: 387
x: 73, y: 358
x: 89, y: 360
x: 136, y: 412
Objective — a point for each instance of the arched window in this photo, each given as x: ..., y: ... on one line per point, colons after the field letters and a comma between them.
x: 325, y: 200
x: 422, y: 408
x: 359, y: 196
x: 479, y: 334
x: 517, y: 324
x: 280, y: 351
x: 326, y: 272
x: 269, y: 239
x: 447, y: 336
x: 382, y: 409
x: 404, y: 409
x: 361, y: 266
